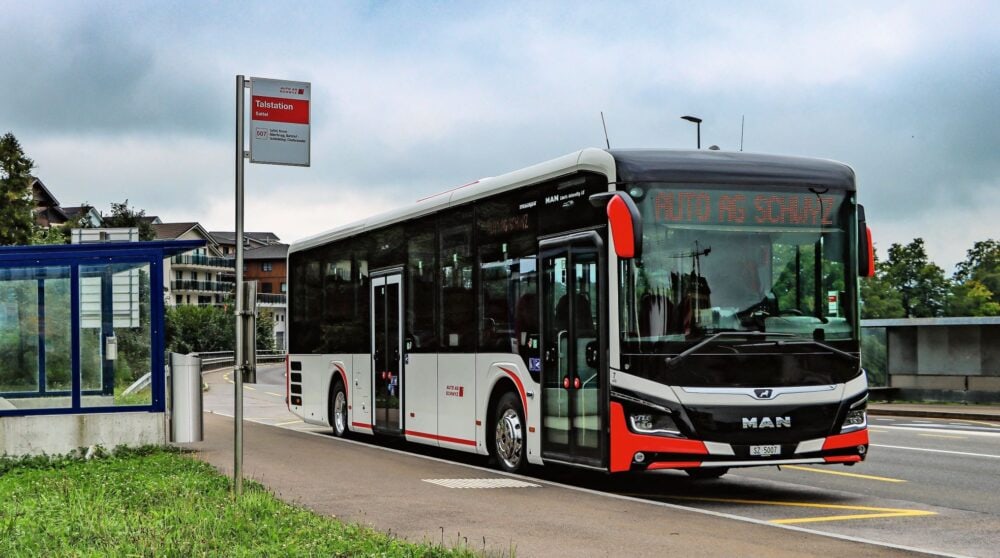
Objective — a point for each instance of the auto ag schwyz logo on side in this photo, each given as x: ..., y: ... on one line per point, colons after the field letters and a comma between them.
x: 766, y: 422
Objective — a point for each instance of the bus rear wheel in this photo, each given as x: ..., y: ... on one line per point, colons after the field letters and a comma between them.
x: 508, y: 437
x: 338, y: 410
x: 706, y: 473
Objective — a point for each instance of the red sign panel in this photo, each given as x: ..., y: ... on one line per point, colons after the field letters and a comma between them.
x: 275, y: 109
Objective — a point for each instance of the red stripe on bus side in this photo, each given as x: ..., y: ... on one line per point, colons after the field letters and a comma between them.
x: 343, y: 380
x: 361, y: 425
x: 520, y: 389
x: 448, y: 439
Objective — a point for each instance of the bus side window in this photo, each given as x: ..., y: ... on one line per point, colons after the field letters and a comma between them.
x: 457, y: 307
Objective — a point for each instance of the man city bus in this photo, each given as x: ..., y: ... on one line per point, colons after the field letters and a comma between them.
x: 619, y: 310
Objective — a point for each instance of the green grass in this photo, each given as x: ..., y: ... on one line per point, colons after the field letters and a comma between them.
x: 157, y: 502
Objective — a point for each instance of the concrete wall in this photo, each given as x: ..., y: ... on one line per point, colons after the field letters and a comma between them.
x: 951, y: 357
x: 59, y: 434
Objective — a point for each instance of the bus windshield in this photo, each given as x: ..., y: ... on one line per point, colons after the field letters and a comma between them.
x: 719, y: 259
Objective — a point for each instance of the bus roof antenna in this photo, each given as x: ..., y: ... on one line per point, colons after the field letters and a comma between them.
x: 743, y: 120
x: 606, y: 140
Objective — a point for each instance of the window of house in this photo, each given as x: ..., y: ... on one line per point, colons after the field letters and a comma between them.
x: 265, y: 266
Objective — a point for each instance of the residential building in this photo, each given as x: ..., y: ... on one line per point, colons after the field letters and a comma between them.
x: 266, y: 266
x: 47, y: 209
x: 85, y: 215
x: 200, y: 276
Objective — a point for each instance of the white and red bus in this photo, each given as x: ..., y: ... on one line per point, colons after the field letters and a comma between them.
x: 619, y: 310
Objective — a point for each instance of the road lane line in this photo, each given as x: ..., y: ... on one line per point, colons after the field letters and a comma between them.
x: 977, y: 432
x: 938, y: 451
x: 983, y: 422
x: 877, y: 513
x: 874, y: 429
x: 249, y: 388
x: 289, y: 422
x: 274, y: 394
x: 944, y: 436
x: 842, y: 474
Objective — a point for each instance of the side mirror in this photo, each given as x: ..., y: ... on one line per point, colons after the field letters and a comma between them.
x: 866, y: 247
x: 624, y: 221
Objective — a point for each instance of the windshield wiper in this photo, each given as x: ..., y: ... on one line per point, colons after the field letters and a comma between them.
x: 672, y: 361
x: 800, y: 341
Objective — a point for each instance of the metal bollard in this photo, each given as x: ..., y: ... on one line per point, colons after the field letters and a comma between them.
x: 186, y: 422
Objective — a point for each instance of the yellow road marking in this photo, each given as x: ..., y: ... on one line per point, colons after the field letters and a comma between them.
x: 876, y: 512
x: 901, y: 513
x: 249, y: 388
x: 230, y: 381
x: 287, y: 423
x: 842, y: 474
x: 274, y: 394
x: 944, y: 436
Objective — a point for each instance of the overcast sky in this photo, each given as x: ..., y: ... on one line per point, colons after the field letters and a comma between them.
x: 136, y: 100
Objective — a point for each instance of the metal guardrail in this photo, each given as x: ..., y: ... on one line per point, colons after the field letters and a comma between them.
x: 207, y: 261
x: 221, y: 359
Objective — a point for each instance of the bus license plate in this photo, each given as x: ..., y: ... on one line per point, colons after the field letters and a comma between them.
x: 764, y: 451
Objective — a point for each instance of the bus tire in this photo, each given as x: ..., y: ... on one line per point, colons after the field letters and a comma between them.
x: 338, y: 409
x: 508, y: 434
x: 706, y: 473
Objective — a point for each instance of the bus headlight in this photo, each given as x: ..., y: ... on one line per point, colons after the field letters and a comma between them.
x: 856, y: 420
x: 653, y: 423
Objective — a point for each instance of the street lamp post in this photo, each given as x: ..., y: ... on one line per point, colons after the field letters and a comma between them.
x: 697, y: 122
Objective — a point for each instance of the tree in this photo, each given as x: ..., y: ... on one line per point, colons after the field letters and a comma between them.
x: 879, y: 298
x: 972, y: 298
x: 17, y: 218
x: 982, y: 264
x: 198, y: 329
x: 922, y: 285
x: 124, y: 216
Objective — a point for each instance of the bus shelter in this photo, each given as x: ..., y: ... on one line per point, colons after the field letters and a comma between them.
x: 82, y: 343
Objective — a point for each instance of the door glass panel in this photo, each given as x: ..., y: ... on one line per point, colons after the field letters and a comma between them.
x: 378, y: 347
x: 586, y: 411
x: 392, y: 355
x: 555, y: 377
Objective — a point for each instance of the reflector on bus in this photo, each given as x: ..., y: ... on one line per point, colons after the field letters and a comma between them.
x: 866, y: 246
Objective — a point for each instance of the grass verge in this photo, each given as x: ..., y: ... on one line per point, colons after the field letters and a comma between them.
x: 159, y: 502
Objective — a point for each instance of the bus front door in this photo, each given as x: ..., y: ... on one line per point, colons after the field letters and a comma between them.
x: 387, y: 351
x: 573, y: 381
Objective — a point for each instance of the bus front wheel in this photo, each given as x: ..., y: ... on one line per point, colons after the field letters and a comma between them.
x: 508, y: 437
x: 338, y: 410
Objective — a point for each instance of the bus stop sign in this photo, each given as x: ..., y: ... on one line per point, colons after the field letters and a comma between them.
x: 279, y: 122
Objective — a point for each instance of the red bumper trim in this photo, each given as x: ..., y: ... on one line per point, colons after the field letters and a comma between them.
x: 674, y: 465
x: 859, y: 438
x: 625, y: 444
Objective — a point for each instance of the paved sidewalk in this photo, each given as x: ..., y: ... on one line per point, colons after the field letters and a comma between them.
x: 390, y: 491
x: 931, y: 410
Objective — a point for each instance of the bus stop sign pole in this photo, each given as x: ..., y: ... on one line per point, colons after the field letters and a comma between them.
x: 241, y: 85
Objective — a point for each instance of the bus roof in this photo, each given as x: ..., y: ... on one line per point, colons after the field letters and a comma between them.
x: 729, y: 167
x: 631, y: 165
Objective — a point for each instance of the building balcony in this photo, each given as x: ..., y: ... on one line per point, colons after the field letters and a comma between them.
x: 268, y: 299
x: 203, y: 261
x: 202, y: 286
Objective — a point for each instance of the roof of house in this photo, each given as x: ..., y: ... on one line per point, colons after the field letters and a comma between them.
x: 42, y: 189
x: 151, y: 219
x: 229, y: 237
x: 76, y: 211
x: 169, y: 231
x: 269, y: 252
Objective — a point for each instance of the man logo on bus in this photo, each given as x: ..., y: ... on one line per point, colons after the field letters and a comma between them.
x: 763, y: 393
x: 767, y: 422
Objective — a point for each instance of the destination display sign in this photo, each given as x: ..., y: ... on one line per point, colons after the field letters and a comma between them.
x: 279, y: 122
x: 720, y: 207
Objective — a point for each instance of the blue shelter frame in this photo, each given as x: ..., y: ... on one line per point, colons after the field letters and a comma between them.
x: 35, y: 263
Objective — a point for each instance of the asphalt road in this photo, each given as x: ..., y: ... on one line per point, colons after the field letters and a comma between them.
x: 927, y: 483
